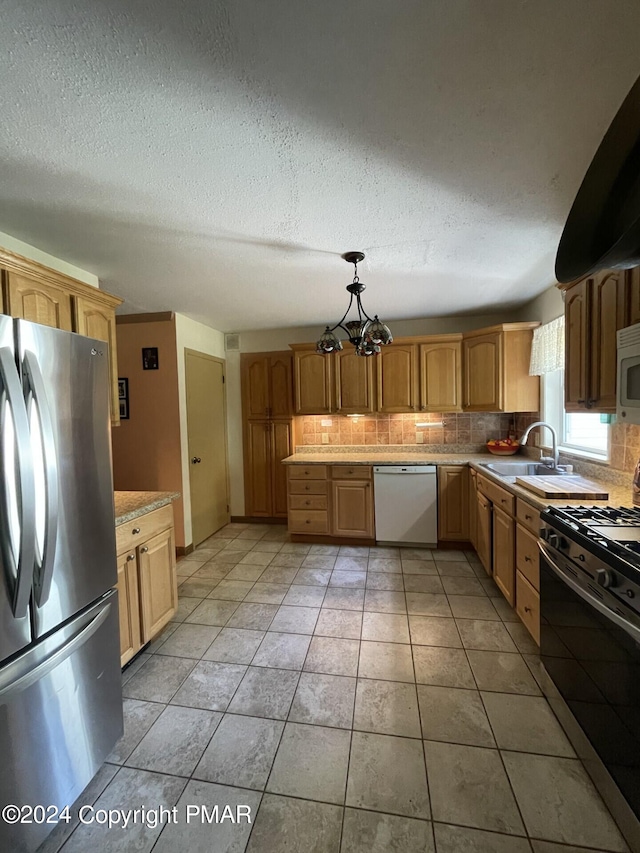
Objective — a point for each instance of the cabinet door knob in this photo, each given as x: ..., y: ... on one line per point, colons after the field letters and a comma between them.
x: 527, y: 610
x: 135, y: 531
x: 131, y: 557
x: 307, y: 488
x: 527, y: 559
x: 308, y: 521
x: 144, y: 549
x: 195, y: 460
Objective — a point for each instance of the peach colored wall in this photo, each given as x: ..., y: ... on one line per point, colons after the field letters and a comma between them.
x: 146, y: 448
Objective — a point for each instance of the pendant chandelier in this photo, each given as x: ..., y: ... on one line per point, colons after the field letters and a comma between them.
x: 366, y: 335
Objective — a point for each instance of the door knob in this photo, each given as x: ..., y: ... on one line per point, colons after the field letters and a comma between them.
x: 195, y: 460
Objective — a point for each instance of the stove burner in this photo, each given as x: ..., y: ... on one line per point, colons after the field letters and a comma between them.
x: 614, y: 529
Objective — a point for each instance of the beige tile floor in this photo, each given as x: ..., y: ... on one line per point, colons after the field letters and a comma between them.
x: 356, y: 699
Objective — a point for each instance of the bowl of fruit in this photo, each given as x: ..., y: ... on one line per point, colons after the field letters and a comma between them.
x: 503, y: 446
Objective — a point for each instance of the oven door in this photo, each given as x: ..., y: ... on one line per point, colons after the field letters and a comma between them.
x: 592, y: 655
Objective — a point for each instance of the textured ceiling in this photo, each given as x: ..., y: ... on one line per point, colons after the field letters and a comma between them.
x: 216, y: 158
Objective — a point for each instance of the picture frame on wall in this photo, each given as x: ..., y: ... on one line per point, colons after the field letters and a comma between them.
x: 123, y: 398
x: 150, y: 358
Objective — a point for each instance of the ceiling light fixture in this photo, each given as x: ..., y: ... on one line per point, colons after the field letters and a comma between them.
x: 366, y: 335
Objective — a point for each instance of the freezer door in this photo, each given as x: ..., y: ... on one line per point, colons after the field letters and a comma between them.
x: 17, y: 503
x: 60, y: 716
x: 66, y: 388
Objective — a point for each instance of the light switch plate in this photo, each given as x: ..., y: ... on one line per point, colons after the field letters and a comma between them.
x: 419, y: 438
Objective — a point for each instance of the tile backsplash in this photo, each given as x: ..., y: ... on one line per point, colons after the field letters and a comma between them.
x: 624, y: 450
x: 458, y: 428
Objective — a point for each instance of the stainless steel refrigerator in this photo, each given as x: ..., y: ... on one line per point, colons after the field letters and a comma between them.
x: 60, y: 681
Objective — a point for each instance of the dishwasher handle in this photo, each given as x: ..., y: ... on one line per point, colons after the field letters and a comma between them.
x: 404, y: 469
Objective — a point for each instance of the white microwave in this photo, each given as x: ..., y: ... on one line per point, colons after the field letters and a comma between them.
x: 628, y: 404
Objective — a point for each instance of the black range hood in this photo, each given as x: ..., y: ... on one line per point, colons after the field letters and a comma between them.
x: 603, y: 227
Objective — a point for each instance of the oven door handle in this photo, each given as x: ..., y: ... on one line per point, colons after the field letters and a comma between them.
x: 626, y: 626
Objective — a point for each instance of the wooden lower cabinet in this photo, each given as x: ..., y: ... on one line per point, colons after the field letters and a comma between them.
x: 332, y: 500
x: 129, y: 605
x: 453, y: 503
x: 504, y: 553
x: 528, y: 606
x: 158, y: 583
x: 147, y: 588
x: 473, y: 508
x: 483, y: 531
x: 352, y: 508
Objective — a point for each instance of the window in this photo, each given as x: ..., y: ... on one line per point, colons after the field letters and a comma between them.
x: 580, y: 432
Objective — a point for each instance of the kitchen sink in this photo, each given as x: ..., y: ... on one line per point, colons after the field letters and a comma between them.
x: 521, y: 469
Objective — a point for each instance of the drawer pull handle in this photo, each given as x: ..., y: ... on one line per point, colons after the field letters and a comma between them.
x: 527, y: 559
x: 306, y: 473
x: 350, y: 471
x: 527, y: 609
x: 528, y: 517
x: 306, y: 488
x: 131, y: 557
x: 503, y: 500
x: 135, y: 531
x: 144, y: 549
x: 308, y: 521
x: 308, y: 503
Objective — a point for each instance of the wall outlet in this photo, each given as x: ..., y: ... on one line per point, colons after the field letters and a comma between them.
x: 419, y: 438
x: 326, y: 422
x: 325, y: 438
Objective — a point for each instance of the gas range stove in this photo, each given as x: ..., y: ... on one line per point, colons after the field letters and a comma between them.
x: 600, y: 547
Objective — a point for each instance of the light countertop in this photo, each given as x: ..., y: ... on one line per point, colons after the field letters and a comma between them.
x: 620, y: 493
x: 130, y: 505
x: 345, y: 457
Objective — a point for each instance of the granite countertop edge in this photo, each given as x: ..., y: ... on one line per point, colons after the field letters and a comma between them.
x: 131, y: 505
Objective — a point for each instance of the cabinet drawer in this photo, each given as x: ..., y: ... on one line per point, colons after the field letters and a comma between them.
x: 527, y: 556
x: 528, y: 516
x: 351, y: 472
x: 307, y: 472
x: 308, y: 501
x: 133, y: 533
x: 307, y: 487
x: 497, y: 495
x: 308, y: 521
x: 528, y: 606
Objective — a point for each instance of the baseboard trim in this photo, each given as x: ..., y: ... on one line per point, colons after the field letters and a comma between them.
x: 183, y: 550
x: 255, y: 519
x: 318, y: 539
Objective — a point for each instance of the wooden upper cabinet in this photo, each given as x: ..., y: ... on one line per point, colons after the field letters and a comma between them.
x: 266, y: 385
x: 633, y: 286
x: 311, y: 381
x: 40, y: 302
x: 496, y: 370
x: 99, y: 321
x: 280, y: 385
x: 594, y: 309
x: 576, y: 313
x: 609, y: 295
x: 353, y: 383
x: 36, y: 293
x: 255, y: 384
x: 397, y: 367
x: 441, y: 376
x: 482, y: 369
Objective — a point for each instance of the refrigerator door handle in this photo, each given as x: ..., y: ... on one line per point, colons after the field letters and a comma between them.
x: 20, y: 576
x: 18, y: 677
x: 43, y: 577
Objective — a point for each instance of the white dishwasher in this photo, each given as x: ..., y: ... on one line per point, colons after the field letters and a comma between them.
x: 406, y: 501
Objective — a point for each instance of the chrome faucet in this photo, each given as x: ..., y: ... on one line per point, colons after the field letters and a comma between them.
x: 550, y: 461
